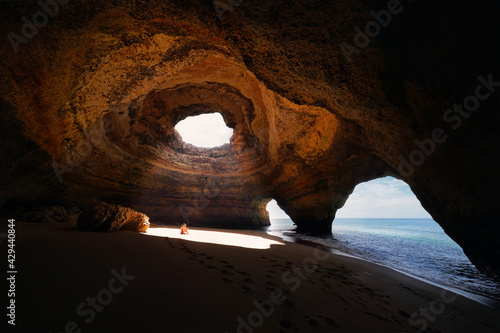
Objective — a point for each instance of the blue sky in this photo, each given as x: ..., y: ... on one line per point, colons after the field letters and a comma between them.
x: 384, y: 197
x: 380, y: 198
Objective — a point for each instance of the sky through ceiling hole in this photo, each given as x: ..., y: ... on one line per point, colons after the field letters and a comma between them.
x: 205, y: 131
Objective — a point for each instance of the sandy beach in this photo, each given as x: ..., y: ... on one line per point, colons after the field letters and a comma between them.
x: 218, y: 281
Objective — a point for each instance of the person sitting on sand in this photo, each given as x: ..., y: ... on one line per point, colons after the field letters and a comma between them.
x: 184, y: 229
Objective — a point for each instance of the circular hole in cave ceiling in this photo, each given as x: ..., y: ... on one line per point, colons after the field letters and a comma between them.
x: 204, y: 131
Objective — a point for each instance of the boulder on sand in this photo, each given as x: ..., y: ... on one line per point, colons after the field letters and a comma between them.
x: 111, y: 217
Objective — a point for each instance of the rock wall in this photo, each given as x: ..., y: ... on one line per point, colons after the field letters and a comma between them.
x: 91, y: 100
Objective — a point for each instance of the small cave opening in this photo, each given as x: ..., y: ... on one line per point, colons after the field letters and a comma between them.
x: 205, y: 130
x: 278, y: 218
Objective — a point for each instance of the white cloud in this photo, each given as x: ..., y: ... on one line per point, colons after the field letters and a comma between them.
x: 206, y: 130
x: 382, y: 198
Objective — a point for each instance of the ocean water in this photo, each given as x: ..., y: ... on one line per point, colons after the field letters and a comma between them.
x: 415, y: 246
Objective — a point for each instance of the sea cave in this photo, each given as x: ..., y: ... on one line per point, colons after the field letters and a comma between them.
x: 317, y: 97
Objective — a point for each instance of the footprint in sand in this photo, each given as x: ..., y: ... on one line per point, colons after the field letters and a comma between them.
x: 227, y: 280
x: 247, y: 290
x: 376, y: 315
x: 286, y: 324
x: 329, y: 321
x: 340, y: 297
x: 396, y: 320
x: 311, y: 321
x: 274, y: 265
x: 405, y: 315
x: 170, y: 243
x: 288, y: 303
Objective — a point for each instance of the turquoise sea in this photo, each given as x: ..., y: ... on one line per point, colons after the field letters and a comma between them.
x: 415, y: 246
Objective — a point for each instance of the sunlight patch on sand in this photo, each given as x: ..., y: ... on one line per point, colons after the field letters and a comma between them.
x: 216, y: 237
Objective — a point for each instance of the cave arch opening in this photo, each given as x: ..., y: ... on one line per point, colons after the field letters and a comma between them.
x: 383, y: 221
x: 385, y: 197
x: 277, y: 216
x: 208, y: 130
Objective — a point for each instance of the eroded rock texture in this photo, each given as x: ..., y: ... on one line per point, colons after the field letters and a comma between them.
x: 109, y: 217
x: 97, y: 91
